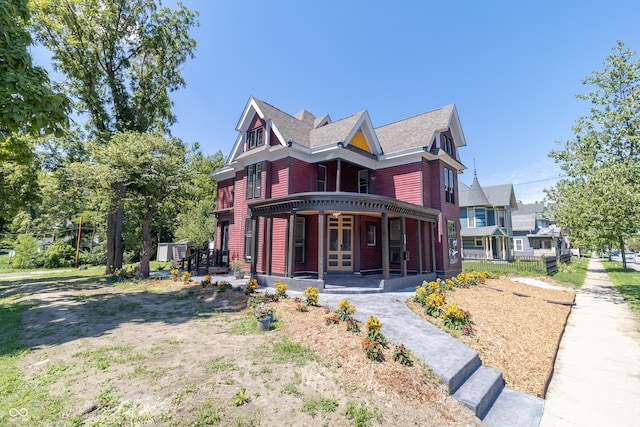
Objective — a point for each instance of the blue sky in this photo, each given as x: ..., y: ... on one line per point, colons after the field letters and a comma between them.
x: 512, y: 69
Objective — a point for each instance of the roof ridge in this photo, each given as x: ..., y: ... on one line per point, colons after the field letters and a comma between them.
x: 415, y: 115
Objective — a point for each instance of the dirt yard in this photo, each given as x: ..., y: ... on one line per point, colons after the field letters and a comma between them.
x: 165, y: 354
x: 162, y: 353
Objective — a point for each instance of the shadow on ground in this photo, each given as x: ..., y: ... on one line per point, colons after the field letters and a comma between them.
x: 57, y: 312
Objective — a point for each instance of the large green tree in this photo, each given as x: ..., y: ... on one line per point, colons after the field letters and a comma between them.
x: 598, y: 199
x: 151, y: 168
x: 29, y: 107
x: 121, y: 60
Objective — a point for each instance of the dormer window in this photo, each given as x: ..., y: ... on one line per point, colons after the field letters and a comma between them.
x: 448, y: 145
x: 255, y: 138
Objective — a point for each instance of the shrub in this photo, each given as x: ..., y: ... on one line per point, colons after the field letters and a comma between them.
x: 252, y: 285
x: 373, y: 350
x: 311, y: 295
x: 401, y: 356
x: 454, y: 317
x: 26, y: 252
x: 59, y: 254
x: 281, y: 289
x: 345, y: 310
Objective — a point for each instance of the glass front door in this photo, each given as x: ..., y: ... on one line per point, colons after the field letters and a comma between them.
x: 340, y: 239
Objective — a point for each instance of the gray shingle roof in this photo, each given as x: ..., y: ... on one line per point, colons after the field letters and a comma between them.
x: 490, y: 230
x: 414, y: 132
x: 291, y: 128
x: 472, y: 196
x: 334, y: 132
x: 501, y: 195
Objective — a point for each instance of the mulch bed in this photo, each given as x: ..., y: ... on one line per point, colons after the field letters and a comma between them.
x: 517, y: 328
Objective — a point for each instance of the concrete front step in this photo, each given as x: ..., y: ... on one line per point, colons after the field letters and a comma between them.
x: 513, y: 408
x: 332, y: 289
x: 480, y: 390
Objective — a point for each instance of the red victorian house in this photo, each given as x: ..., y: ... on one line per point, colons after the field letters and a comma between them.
x: 305, y: 198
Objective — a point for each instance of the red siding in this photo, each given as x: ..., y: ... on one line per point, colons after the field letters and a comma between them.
x: 278, y: 177
x: 225, y: 194
x: 278, y: 245
x: 371, y: 256
x: 299, y: 172
x: 400, y: 182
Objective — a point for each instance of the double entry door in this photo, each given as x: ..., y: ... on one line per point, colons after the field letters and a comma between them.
x: 340, y: 243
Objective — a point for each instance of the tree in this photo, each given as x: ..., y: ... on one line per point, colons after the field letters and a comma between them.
x: 151, y: 168
x: 598, y: 198
x: 195, y: 222
x: 29, y: 107
x: 121, y: 59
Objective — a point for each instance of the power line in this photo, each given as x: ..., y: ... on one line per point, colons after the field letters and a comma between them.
x: 540, y: 180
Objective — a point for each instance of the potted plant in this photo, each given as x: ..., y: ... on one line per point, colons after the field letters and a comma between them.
x: 263, y: 317
x: 237, y: 266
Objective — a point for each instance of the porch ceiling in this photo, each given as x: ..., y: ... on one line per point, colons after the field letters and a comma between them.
x: 343, y: 202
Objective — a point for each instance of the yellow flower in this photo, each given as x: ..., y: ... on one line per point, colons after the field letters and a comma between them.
x: 373, y: 324
x: 434, y: 285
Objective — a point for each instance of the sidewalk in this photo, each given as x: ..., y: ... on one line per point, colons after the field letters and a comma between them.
x: 596, y: 380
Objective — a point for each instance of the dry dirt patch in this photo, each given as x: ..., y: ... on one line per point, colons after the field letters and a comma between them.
x: 164, y: 354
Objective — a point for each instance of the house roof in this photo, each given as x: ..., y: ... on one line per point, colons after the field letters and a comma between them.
x: 490, y: 230
x: 525, y: 218
x: 309, y: 134
x: 472, y: 196
x: 501, y: 195
x: 416, y: 131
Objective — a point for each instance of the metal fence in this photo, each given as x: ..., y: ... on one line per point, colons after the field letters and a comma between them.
x: 542, y: 265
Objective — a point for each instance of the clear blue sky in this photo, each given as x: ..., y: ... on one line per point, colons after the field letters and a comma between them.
x: 512, y: 68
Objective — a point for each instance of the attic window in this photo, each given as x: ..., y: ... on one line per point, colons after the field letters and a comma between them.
x: 448, y: 145
x: 255, y: 138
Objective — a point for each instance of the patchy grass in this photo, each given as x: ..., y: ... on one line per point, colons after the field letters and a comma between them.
x: 626, y: 282
x: 574, y: 272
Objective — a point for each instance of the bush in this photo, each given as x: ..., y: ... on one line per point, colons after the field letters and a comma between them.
x: 59, y: 254
x: 26, y: 252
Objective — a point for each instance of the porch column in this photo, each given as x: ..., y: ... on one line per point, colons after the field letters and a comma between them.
x: 432, y: 233
x: 384, y: 230
x: 504, y: 249
x: 419, y: 225
x: 268, y: 245
x: 290, y: 251
x: 254, y: 245
x: 490, y: 247
x: 403, y: 246
x: 338, y: 173
x: 321, y: 245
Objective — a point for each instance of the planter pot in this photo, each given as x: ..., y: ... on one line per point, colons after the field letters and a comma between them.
x: 264, y: 324
x: 270, y: 317
x: 238, y: 274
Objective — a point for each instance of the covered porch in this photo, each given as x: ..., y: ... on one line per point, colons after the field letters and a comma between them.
x: 325, y: 240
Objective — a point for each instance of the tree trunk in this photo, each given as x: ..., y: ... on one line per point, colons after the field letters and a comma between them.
x: 115, y: 247
x: 147, y: 244
x: 623, y: 255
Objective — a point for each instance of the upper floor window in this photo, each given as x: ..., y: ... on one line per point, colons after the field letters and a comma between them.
x: 471, y: 218
x: 322, y: 178
x: 448, y: 145
x: 255, y: 138
x: 501, y: 218
x: 449, y: 186
x: 254, y: 181
x: 363, y: 181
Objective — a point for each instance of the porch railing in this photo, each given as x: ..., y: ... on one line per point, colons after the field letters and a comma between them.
x: 203, y: 259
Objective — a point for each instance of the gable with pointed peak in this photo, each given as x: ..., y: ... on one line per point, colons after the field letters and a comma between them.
x: 417, y: 132
x: 472, y: 196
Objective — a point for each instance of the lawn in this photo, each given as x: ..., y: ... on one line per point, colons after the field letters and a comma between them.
x: 627, y: 283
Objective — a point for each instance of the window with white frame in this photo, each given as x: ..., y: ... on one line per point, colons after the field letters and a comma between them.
x: 518, y: 245
x: 371, y: 231
x: 471, y: 218
x: 449, y: 186
x: 501, y: 217
x: 447, y: 144
x: 248, y: 235
x: 254, y: 181
x: 322, y: 178
x: 255, y: 138
x: 478, y: 241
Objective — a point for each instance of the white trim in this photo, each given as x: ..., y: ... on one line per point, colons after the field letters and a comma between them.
x: 515, y: 245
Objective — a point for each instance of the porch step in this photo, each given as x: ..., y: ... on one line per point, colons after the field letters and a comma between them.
x: 480, y: 390
x: 337, y: 289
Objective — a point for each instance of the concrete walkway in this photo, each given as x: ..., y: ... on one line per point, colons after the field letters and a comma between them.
x: 596, y: 380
